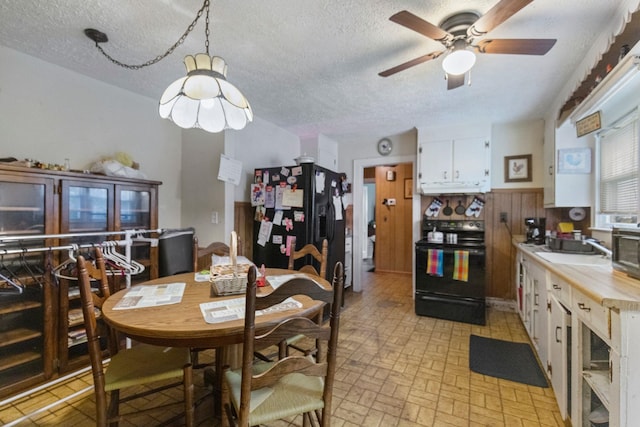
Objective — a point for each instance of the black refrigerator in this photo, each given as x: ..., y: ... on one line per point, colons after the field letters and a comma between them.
x: 302, y: 202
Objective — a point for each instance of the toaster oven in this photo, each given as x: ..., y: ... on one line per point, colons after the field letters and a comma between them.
x: 625, y: 243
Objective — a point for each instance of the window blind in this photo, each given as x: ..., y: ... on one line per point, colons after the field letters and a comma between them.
x: 619, y: 168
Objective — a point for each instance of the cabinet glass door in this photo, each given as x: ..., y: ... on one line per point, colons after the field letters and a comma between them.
x: 136, y: 208
x: 133, y: 207
x: 22, y: 208
x: 86, y: 207
x: 25, y: 209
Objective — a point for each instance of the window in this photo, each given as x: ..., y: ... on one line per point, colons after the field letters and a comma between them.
x: 618, y: 201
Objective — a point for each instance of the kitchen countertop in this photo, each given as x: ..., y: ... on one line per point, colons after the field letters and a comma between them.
x: 611, y: 288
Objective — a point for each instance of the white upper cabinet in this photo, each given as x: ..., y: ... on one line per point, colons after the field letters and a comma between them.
x: 454, y: 166
x: 564, y: 187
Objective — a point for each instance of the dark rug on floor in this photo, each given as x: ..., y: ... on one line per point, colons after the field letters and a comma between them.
x: 508, y: 360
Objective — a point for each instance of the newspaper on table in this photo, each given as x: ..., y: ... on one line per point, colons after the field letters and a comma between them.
x: 151, y: 296
x: 233, y: 309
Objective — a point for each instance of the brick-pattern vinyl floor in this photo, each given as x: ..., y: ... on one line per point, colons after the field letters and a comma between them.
x: 394, y: 369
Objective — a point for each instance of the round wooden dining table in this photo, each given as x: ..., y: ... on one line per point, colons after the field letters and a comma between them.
x: 183, y: 324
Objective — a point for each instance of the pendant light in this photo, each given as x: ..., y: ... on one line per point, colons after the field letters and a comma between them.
x: 203, y: 98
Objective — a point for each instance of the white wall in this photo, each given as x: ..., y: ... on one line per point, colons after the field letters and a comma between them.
x: 403, y: 144
x: 512, y: 139
x: 202, y: 192
x: 260, y: 144
x: 49, y: 113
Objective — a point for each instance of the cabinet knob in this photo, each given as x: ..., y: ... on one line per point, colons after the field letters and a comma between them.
x: 457, y: 174
x: 556, y: 287
x: 582, y: 306
x: 551, y: 170
x: 445, y: 174
x: 558, y: 329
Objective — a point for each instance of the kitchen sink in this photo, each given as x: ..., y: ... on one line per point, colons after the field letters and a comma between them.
x: 574, y: 259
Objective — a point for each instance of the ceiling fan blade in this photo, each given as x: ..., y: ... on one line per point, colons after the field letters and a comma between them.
x: 409, y: 64
x: 421, y: 26
x: 516, y: 46
x: 454, y: 81
x: 496, y: 16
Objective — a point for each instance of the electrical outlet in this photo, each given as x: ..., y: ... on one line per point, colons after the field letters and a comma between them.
x: 214, y: 217
x: 503, y: 217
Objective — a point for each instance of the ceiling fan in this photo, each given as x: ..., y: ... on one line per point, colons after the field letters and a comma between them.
x: 457, y: 34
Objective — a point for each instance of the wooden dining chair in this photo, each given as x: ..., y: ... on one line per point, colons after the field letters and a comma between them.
x: 262, y: 392
x: 202, y: 259
x: 310, y: 249
x: 141, y: 364
x: 320, y: 257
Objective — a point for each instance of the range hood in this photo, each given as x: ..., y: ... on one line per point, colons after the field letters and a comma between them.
x: 430, y: 188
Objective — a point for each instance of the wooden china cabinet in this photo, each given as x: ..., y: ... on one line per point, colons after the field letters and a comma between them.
x: 41, y: 327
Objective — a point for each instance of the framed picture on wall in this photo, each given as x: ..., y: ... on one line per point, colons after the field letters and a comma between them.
x: 517, y: 168
x: 574, y: 160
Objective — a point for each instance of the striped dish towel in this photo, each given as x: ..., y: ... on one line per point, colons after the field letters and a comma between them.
x: 461, y: 265
x: 434, y: 262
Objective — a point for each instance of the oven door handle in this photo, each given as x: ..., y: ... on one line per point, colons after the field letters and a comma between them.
x: 457, y: 301
x: 450, y: 251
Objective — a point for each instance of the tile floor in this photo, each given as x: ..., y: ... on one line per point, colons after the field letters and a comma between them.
x: 395, y: 369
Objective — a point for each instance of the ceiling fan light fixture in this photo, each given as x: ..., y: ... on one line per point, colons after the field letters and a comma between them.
x: 458, y: 62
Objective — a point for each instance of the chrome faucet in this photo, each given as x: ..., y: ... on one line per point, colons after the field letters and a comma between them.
x: 607, y: 253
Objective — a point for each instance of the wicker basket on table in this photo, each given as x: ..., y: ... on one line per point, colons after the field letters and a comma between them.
x: 229, y: 279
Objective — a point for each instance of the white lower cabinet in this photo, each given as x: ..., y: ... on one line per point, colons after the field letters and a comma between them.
x: 590, y: 349
x: 596, y: 385
x: 559, y: 365
x: 532, y: 304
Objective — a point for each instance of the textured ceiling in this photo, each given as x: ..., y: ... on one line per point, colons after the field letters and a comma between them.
x: 312, y: 66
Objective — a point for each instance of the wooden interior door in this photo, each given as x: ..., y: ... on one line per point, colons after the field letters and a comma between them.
x: 394, y: 244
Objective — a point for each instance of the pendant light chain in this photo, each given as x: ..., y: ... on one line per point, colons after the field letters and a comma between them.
x: 158, y: 58
x: 206, y: 29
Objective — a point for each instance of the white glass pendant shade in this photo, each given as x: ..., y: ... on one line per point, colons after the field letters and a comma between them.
x: 458, y: 62
x: 204, y: 98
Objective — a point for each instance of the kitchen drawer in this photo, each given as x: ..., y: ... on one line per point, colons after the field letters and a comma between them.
x: 560, y: 289
x: 596, y: 316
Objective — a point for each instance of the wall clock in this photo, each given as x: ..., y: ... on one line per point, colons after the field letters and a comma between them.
x: 385, y: 146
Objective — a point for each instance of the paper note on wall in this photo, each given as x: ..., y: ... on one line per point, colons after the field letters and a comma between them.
x: 337, y: 204
x: 293, y: 198
x: 265, y: 232
x: 257, y: 194
x: 269, y: 197
x: 277, y: 218
x: 320, y: 178
x: 279, y: 196
x: 291, y: 241
x: 230, y: 170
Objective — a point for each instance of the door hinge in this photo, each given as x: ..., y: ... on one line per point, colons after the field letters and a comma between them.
x: 486, y: 172
x: 419, y: 174
x: 486, y: 144
x: 549, y: 305
x: 420, y: 150
x: 549, y: 368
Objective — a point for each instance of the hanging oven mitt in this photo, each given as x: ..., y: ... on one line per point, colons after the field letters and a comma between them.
x: 434, y: 207
x: 475, y: 207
